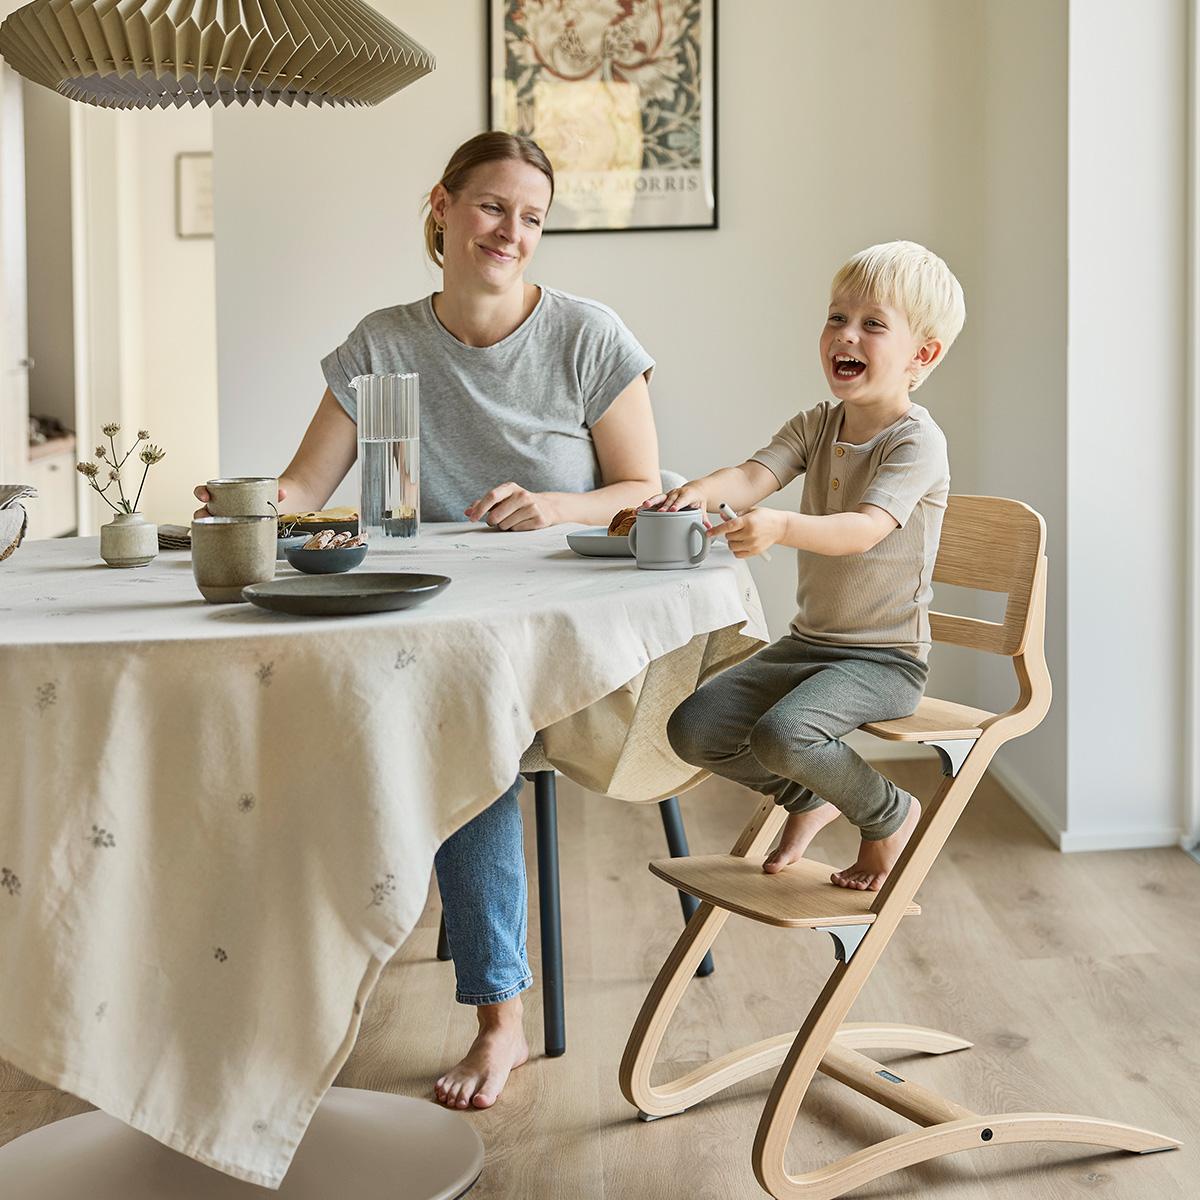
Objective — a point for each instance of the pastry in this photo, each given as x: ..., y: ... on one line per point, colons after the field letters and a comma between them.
x: 622, y: 523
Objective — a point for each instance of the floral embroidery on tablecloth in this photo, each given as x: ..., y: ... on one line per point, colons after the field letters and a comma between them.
x: 10, y: 882
x: 219, y: 954
x: 246, y: 802
x: 47, y: 694
x: 265, y: 673
x: 100, y: 837
x: 382, y: 890
x: 405, y: 659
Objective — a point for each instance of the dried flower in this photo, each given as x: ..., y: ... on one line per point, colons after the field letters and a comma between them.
x: 115, y: 462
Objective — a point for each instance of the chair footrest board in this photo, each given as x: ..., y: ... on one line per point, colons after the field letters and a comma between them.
x: 798, y: 897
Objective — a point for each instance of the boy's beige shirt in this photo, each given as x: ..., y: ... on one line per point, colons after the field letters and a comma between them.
x: 880, y: 598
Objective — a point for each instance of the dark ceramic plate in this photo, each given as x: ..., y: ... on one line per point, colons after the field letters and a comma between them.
x: 343, y: 595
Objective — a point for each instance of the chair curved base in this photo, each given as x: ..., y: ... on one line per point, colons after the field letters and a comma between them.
x: 952, y: 1137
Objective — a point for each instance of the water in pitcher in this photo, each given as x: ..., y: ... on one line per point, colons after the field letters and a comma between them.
x: 389, y: 455
x: 391, y: 486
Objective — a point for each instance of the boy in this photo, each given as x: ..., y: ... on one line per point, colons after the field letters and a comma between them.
x: 875, y: 488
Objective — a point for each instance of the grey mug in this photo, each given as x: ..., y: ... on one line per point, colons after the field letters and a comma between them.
x: 668, y: 541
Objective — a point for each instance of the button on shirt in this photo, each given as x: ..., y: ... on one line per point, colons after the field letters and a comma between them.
x: 880, y: 598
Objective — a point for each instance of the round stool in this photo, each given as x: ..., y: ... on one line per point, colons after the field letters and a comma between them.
x: 360, y: 1144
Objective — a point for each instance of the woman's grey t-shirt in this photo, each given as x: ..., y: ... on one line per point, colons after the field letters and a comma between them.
x: 520, y: 410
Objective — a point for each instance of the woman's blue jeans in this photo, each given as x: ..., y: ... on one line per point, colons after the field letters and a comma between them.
x: 485, y: 902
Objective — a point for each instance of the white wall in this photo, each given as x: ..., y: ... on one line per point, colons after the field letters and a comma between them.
x: 177, y: 318
x: 48, y: 234
x: 1127, y: 158
x: 145, y: 301
x: 1020, y: 316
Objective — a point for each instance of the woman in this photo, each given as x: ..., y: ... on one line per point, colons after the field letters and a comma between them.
x: 534, y: 411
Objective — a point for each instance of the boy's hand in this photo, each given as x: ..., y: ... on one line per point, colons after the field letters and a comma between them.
x: 753, y: 532
x: 687, y: 496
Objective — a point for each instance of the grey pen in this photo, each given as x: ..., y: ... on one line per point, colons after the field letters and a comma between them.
x: 728, y: 514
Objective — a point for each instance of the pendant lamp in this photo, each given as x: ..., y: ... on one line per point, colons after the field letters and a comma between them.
x: 160, y: 53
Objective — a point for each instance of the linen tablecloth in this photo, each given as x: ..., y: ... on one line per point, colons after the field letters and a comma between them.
x: 217, y: 824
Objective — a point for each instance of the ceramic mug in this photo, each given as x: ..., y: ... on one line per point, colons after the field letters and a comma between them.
x: 252, y: 496
x: 668, y: 541
x: 229, y: 553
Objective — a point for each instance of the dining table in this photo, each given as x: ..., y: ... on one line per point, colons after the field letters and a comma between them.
x: 218, y: 822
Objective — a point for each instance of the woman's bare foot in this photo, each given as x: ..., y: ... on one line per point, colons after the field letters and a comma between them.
x: 498, y: 1049
x: 799, y: 830
x: 876, y: 859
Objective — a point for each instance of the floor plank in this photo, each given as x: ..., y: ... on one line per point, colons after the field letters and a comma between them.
x: 1077, y: 978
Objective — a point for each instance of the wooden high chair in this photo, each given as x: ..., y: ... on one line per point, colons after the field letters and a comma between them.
x: 993, y: 545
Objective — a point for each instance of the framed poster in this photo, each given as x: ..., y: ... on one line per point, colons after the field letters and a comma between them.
x: 622, y: 96
x: 193, y: 195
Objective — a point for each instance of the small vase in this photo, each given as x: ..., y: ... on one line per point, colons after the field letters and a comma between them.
x: 128, y: 540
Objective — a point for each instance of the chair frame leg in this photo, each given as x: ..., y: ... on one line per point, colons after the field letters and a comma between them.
x: 550, y: 911
x: 677, y: 845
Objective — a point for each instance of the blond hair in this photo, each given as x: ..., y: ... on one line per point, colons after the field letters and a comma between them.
x: 909, y: 277
x: 495, y: 146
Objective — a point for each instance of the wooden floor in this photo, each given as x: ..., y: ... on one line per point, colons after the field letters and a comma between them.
x: 1077, y: 977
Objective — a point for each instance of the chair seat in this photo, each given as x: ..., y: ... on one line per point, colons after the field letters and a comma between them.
x: 934, y: 720
x: 800, y: 896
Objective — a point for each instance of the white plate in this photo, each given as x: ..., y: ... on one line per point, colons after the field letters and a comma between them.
x: 596, y: 543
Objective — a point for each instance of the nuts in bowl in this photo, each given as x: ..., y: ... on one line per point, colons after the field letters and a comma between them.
x: 327, y: 553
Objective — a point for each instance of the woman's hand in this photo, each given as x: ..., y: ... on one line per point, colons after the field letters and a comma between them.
x: 514, y: 508
x: 687, y: 496
x: 753, y: 532
x: 201, y: 493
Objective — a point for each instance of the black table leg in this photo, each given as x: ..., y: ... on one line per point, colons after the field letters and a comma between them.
x: 546, y: 810
x: 443, y: 950
x: 672, y: 820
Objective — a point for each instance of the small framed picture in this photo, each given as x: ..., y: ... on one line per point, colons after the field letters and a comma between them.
x: 623, y: 99
x: 193, y: 195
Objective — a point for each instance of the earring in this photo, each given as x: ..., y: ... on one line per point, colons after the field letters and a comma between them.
x: 439, y: 229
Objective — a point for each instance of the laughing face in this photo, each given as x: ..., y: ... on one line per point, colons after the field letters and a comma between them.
x: 493, y: 223
x: 869, y: 352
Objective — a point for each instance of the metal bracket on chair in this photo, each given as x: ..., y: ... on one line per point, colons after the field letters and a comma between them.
x: 846, y: 939
x: 953, y: 754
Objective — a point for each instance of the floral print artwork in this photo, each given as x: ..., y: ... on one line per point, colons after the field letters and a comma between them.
x: 614, y: 92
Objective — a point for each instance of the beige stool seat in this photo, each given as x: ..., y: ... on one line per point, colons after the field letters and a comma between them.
x: 360, y: 1144
x: 798, y: 897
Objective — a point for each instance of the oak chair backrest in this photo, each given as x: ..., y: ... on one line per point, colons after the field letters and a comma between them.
x: 992, y: 545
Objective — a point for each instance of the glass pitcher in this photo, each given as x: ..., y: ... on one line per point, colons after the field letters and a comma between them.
x: 389, y: 413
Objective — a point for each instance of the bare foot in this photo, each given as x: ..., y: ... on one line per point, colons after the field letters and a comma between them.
x: 799, y: 830
x: 498, y: 1049
x: 876, y: 859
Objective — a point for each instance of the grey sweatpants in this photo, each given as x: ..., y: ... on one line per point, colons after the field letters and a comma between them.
x: 775, y: 723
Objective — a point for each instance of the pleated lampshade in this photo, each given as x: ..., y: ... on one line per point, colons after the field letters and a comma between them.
x: 160, y: 53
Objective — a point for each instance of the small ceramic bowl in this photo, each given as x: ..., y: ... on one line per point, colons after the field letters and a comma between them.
x: 284, y: 544
x: 325, y: 562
